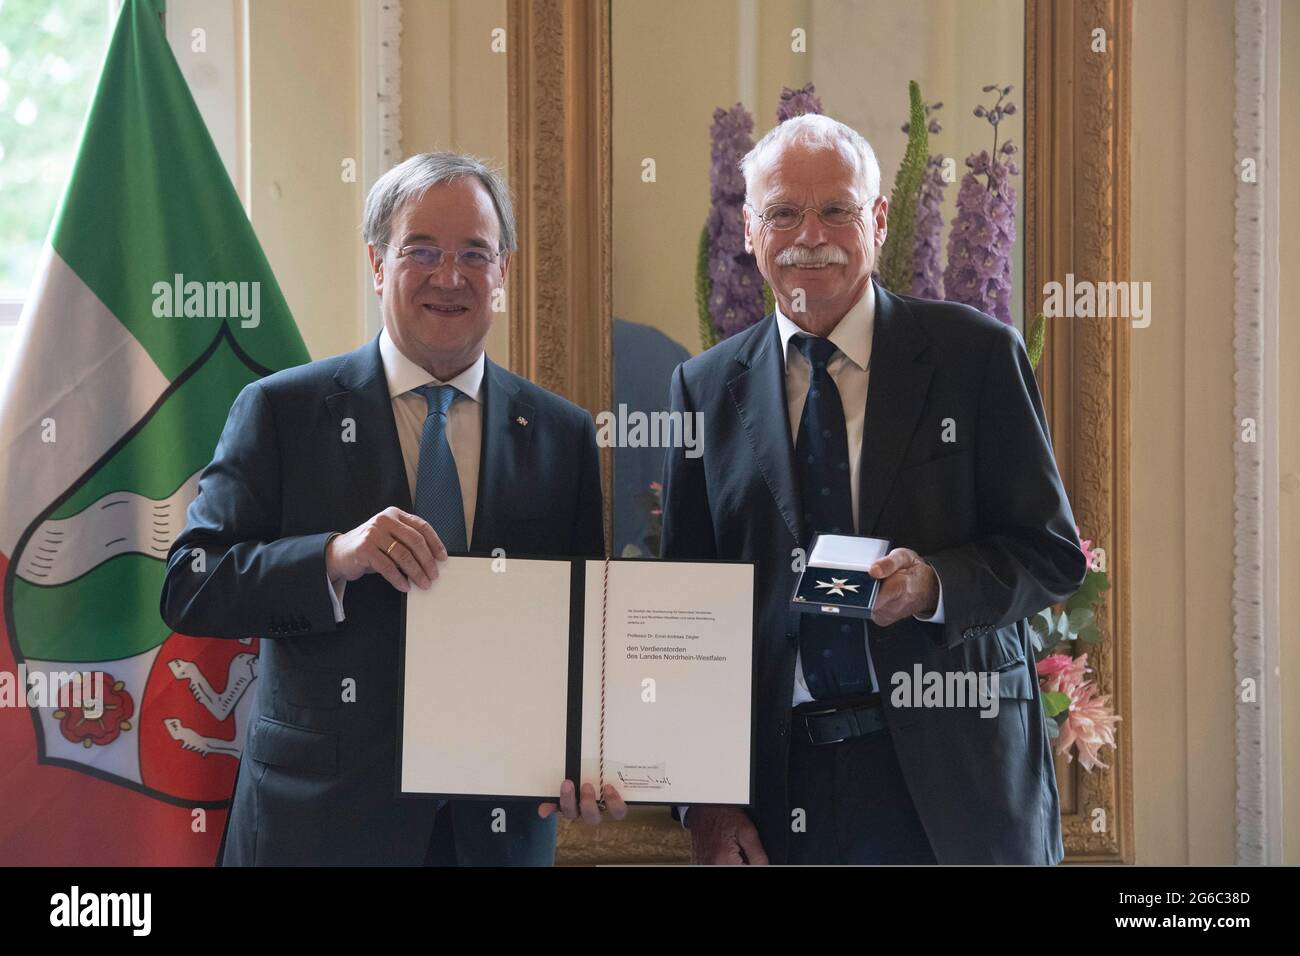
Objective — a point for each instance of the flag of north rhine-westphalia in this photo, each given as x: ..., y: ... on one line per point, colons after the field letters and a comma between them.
x: 151, y: 308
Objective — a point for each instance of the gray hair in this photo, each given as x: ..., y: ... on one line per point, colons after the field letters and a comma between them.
x: 818, y: 131
x: 413, y: 177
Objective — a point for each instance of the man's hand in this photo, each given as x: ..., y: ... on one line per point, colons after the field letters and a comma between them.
x: 589, y: 809
x: 909, y: 587
x: 724, y: 835
x: 402, y: 547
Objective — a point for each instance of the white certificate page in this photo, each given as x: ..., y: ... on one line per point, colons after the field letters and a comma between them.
x: 486, y: 679
x: 677, y: 679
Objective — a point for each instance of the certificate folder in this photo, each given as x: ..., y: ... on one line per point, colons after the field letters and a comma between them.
x: 518, y: 673
x: 835, y: 581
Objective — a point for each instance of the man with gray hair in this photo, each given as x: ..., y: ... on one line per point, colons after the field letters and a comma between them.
x: 854, y: 409
x: 339, y: 486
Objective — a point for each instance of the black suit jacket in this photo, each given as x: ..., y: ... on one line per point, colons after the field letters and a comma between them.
x: 317, y: 776
x: 987, y: 510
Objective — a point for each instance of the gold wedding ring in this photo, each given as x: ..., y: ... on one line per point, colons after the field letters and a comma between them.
x: 389, y: 549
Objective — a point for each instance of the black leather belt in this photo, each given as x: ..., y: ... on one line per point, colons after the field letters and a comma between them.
x: 832, y: 724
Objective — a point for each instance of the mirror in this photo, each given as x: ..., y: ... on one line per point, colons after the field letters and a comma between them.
x: 613, y: 241
x: 679, y: 131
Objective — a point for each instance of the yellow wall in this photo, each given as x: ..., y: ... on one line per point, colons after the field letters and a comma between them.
x: 304, y: 121
x: 666, y: 84
x: 1183, y: 432
x: 454, y: 94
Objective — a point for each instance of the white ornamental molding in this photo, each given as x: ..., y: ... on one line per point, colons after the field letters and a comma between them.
x: 381, y: 123
x: 389, y: 93
x: 1255, y: 601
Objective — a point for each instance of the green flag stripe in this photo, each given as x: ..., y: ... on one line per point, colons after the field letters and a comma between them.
x: 149, y: 198
x: 112, y: 611
x: 99, y: 617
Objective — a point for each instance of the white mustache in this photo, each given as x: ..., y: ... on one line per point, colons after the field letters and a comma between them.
x: 826, y: 255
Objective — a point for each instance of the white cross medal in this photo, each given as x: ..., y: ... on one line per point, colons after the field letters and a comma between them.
x: 838, y: 586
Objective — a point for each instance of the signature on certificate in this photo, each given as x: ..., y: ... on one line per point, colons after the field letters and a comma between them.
x: 640, y: 776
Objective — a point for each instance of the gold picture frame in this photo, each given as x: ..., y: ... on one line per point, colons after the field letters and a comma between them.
x: 1077, y: 102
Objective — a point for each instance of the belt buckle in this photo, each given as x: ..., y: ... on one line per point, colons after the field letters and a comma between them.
x: 808, y: 729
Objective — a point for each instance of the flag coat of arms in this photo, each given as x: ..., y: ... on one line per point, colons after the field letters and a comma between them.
x: 152, y: 306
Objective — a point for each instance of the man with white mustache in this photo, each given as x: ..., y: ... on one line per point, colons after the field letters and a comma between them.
x: 853, y: 409
x: 827, y: 255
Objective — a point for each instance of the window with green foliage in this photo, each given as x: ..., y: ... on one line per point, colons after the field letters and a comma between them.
x: 51, y: 52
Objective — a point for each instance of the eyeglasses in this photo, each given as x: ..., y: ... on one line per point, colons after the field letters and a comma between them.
x: 428, y: 258
x: 782, y: 216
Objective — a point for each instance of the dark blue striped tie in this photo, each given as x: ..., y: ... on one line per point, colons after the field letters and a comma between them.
x: 833, y: 650
x: 437, y: 485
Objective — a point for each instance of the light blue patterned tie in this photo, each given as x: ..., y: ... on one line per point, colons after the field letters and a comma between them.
x: 437, y: 486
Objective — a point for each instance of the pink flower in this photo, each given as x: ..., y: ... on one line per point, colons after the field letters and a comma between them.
x: 1089, y: 725
x: 1062, y: 672
x: 1087, y: 547
x: 1054, y: 664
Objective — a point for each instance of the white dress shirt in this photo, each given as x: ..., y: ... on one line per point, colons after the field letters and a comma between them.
x: 849, y: 368
x: 464, y: 428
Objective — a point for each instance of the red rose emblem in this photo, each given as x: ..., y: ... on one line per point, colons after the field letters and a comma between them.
x: 90, y: 726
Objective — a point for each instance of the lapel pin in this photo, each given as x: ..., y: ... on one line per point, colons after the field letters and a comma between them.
x: 521, y: 420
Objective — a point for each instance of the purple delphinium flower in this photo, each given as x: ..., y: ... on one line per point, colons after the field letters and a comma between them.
x: 797, y: 103
x: 983, y: 233
x: 927, y: 275
x: 984, y: 230
x: 736, y: 301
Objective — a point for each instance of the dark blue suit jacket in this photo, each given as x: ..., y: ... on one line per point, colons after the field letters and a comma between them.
x: 988, y: 511
x: 317, y: 776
